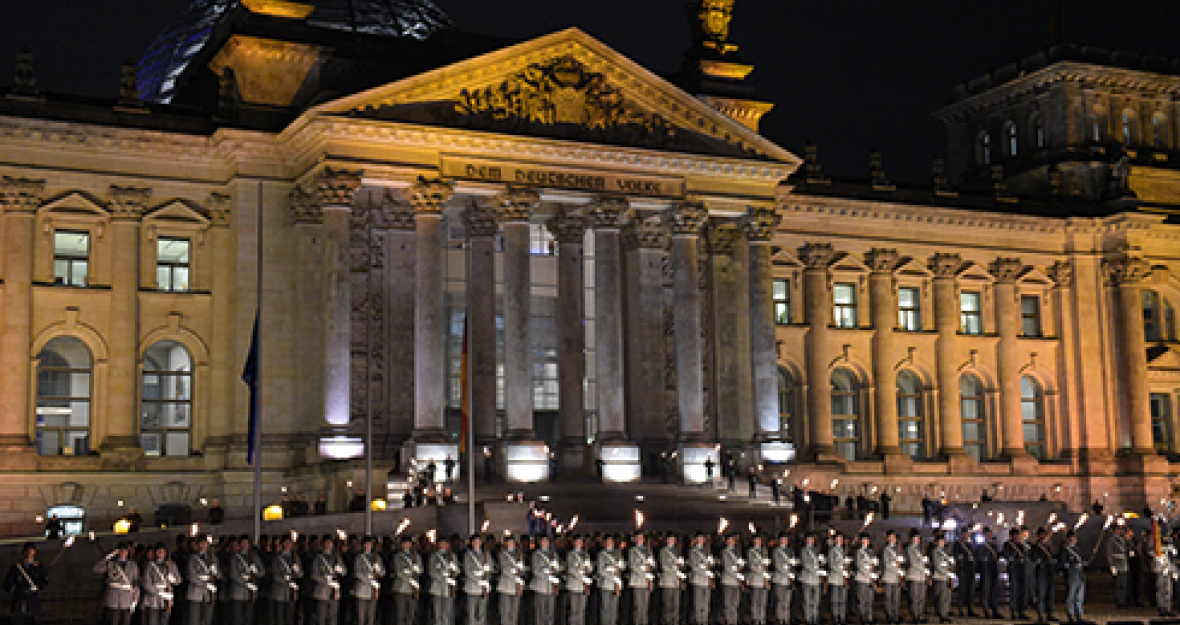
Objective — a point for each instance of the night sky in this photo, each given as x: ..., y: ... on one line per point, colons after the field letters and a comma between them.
x: 850, y: 75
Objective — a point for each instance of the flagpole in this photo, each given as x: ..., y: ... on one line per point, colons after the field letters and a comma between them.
x: 256, y: 396
x: 369, y: 372
x: 470, y: 439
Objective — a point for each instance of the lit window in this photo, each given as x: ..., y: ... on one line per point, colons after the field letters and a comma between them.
x: 1032, y: 414
x: 983, y: 149
x: 71, y: 257
x: 541, y: 241
x: 909, y: 309
x: 167, y: 404
x: 1161, y: 421
x: 1128, y: 127
x: 1030, y: 315
x: 911, y: 432
x: 971, y: 312
x: 782, y: 302
x: 972, y: 412
x: 844, y: 299
x: 63, y: 398
x: 1039, y: 130
x: 786, y: 405
x: 1159, y: 130
x: 1010, y: 133
x: 845, y: 414
x: 172, y: 264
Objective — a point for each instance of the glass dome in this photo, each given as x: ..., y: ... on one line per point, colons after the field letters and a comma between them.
x: 171, y: 52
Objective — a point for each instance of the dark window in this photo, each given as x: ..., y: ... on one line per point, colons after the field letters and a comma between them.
x: 1030, y: 315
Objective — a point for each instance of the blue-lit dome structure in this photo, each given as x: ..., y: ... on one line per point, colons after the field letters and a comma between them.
x: 171, y: 52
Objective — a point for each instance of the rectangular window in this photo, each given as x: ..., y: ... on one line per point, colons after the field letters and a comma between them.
x: 909, y: 309
x: 71, y: 257
x: 1161, y: 421
x: 971, y: 312
x: 782, y: 302
x: 844, y: 298
x: 541, y: 241
x: 172, y: 264
x: 1030, y: 315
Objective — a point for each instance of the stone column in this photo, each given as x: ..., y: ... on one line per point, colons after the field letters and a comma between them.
x: 620, y: 457
x: 309, y: 349
x: 120, y: 445
x: 400, y: 298
x: 222, y: 388
x: 883, y: 301
x: 1074, y: 430
x: 759, y: 224
x: 569, y: 229
x: 818, y: 312
x: 645, y: 250
x: 19, y: 200
x: 429, y: 198
x: 334, y: 192
x: 730, y: 400
x: 515, y: 207
x: 1006, y: 271
x: 481, y: 319
x: 1086, y: 317
x: 946, y: 322
x: 1128, y: 273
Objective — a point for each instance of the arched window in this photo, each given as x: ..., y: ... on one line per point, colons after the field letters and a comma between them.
x: 1010, y: 136
x: 1032, y: 414
x: 63, y: 397
x: 1159, y: 130
x: 786, y: 406
x: 845, y: 413
x: 167, y: 406
x: 1128, y: 126
x: 911, y: 432
x: 974, y: 416
x: 983, y: 148
x: 1037, y: 126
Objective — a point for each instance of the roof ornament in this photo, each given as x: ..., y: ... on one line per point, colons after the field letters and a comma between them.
x: 877, y: 173
x: 24, y: 79
x: 712, y: 24
x: 815, y: 173
x: 129, y: 90
x: 942, y: 185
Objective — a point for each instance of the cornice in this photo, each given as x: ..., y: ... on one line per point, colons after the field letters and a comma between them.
x: 935, y: 216
x: 95, y: 138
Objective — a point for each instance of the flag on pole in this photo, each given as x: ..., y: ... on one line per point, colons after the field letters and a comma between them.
x: 250, y: 377
x: 465, y: 401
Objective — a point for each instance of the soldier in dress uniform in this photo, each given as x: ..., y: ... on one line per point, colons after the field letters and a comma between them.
x: 838, y: 561
x: 407, y: 573
x: 1041, y: 555
x: 367, y: 572
x: 610, y: 582
x: 671, y: 580
x: 579, y: 577
x: 1015, y: 555
x: 510, y: 586
x: 641, y: 579
x: 964, y: 554
x: 700, y: 578
x: 1164, y: 568
x: 282, y: 583
x: 757, y: 579
x: 157, y: 584
x: 24, y: 581
x: 942, y: 572
x: 120, y: 585
x: 477, y: 574
x: 1118, y: 554
x: 732, y: 578
x: 917, y: 576
x: 240, y: 584
x: 326, y: 572
x: 201, y: 574
x: 1074, y: 566
x: 987, y: 562
x: 865, y: 563
x: 782, y: 578
x: 811, y: 574
x: 444, y: 573
x: 892, y: 563
x: 546, y: 583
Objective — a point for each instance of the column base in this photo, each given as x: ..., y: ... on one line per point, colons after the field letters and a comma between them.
x: 422, y: 452
x: 1144, y: 462
x: 17, y: 454
x: 824, y: 454
x: 692, y: 461
x: 525, y: 461
x: 896, y: 462
x: 575, y: 456
x: 777, y: 452
x: 620, y: 462
x: 340, y: 447
x: 1022, y: 463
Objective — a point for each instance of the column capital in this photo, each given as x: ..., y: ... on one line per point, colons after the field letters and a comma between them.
x: 945, y: 265
x: 1007, y: 270
x: 759, y: 222
x: 817, y: 255
x: 723, y: 237
x: 304, y: 207
x: 686, y: 218
x: 219, y: 209
x: 609, y: 212
x: 21, y: 194
x: 394, y: 213
x: 517, y: 203
x: 336, y: 187
x: 650, y: 233
x: 882, y: 260
x: 567, y: 227
x: 1061, y: 272
x: 430, y: 195
x: 128, y: 202
x: 1127, y: 269
x: 480, y: 221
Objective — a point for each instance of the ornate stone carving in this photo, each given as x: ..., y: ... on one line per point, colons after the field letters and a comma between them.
x: 430, y: 195
x: 723, y: 237
x: 336, y: 187
x: 650, y: 233
x: 517, y: 203
x: 394, y: 213
x: 24, y: 79
x: 568, y: 227
x: 304, y: 208
x: 817, y: 255
x: 219, y: 210
x: 686, y: 218
x: 128, y: 202
x: 713, y: 17
x: 609, y: 212
x: 882, y: 260
x: 129, y: 90
x: 1007, y: 270
x: 480, y: 221
x: 945, y: 265
x: 21, y: 194
x: 759, y: 223
x: 1062, y: 273
x: 1127, y: 269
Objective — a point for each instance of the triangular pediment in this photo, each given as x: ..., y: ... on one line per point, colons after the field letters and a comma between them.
x: 1164, y: 358
x: 566, y: 85
x: 75, y: 202
x: 1035, y: 276
x: 975, y: 271
x: 849, y: 263
x: 911, y: 268
x: 178, y: 211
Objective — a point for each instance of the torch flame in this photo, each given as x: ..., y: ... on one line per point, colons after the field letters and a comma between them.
x: 401, y: 527
x: 722, y: 524
x: 486, y: 524
x: 794, y: 520
x: 1081, y: 521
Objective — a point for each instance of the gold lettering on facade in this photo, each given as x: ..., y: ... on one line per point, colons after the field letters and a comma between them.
x: 561, y: 178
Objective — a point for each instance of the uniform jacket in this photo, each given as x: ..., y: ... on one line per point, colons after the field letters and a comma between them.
x: 444, y: 573
x: 1118, y: 553
x: 1072, y: 564
x: 700, y: 566
x: 25, y: 580
x: 987, y: 558
x: 512, y: 571
x: 1041, y: 556
x: 477, y: 572
x: 1016, y: 553
x: 837, y: 565
x: 732, y: 567
x: 326, y: 572
x: 283, y: 575
x: 671, y: 568
x: 916, y: 563
x: 579, y: 571
x: 942, y: 565
x: 407, y: 570
x: 201, y: 574
x: 757, y: 567
x: 243, y: 573
x: 367, y: 572
x: 782, y: 565
x: 892, y: 564
x: 866, y: 565
x: 546, y: 568
x: 157, y: 583
x: 120, y: 583
x: 811, y: 569
x: 610, y: 570
x: 964, y: 554
x: 642, y: 565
